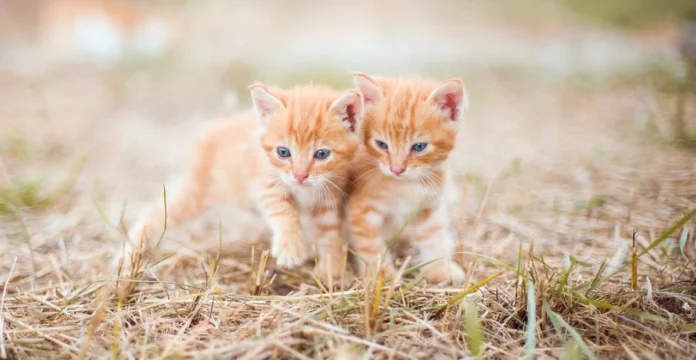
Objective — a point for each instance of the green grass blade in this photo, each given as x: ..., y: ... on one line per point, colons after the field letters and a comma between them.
x: 646, y: 315
x: 566, y: 274
x: 570, y: 351
x: 682, y: 240
x: 558, y: 319
x: 166, y: 216
x: 557, y: 326
x: 597, y: 280
x: 468, y: 291
x: 530, y: 343
x: 475, y: 338
x: 678, y: 225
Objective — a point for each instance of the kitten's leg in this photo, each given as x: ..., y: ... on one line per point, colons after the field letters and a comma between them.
x: 435, y: 242
x: 185, y: 202
x: 287, y: 243
x: 188, y: 202
x: 326, y: 227
x: 365, y: 227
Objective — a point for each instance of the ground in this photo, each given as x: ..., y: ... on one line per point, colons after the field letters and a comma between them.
x: 568, y: 172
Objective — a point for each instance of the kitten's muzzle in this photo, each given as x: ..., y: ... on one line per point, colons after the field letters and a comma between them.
x: 300, y: 177
x: 397, y: 170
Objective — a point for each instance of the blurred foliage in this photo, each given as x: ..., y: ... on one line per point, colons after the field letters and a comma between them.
x: 512, y: 170
x: 633, y: 13
x: 237, y: 76
x: 15, y: 146
x: 22, y: 194
x: 674, y: 89
x: 661, y: 76
x: 32, y: 194
x: 320, y: 74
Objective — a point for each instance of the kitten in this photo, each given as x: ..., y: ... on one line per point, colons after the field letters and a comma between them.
x: 293, y: 173
x: 409, y: 129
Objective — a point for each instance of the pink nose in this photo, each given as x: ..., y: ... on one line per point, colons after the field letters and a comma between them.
x: 398, y: 171
x: 301, y: 177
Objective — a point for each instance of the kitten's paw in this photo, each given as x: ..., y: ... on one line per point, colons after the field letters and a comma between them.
x: 369, y: 264
x: 330, y: 268
x: 444, y: 271
x: 388, y: 271
x: 288, y: 251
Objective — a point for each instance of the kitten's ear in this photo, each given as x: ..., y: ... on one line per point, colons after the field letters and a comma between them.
x: 451, y: 98
x: 371, y: 92
x: 349, y: 108
x: 265, y: 104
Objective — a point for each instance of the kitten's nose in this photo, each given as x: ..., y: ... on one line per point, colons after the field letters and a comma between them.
x: 398, y: 170
x: 301, y: 177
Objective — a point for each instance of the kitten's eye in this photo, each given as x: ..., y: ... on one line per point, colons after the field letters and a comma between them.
x: 283, y: 151
x: 418, y: 147
x: 382, y: 144
x: 322, y: 154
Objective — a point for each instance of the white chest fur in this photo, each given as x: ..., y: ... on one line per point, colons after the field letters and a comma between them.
x: 402, y: 205
x: 308, y: 198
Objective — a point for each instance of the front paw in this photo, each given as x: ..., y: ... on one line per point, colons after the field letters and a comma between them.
x: 444, y: 271
x: 288, y: 251
x: 331, y: 268
x: 369, y: 264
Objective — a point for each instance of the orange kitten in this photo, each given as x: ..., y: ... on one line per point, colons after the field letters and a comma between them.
x: 293, y: 173
x: 408, y: 132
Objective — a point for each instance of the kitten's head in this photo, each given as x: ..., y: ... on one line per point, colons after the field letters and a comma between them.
x: 308, y: 132
x: 410, y: 124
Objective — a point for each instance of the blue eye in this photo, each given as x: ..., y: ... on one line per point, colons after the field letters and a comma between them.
x: 418, y: 147
x: 283, y: 151
x: 322, y: 154
x: 382, y: 144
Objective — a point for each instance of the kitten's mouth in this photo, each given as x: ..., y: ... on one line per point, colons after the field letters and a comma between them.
x: 304, y: 184
x: 405, y: 175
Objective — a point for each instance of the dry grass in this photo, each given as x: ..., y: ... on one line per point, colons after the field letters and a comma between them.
x: 576, y: 230
x: 572, y: 270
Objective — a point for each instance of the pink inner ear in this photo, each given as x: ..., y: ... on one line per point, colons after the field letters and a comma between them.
x: 450, y: 102
x: 350, y: 116
x: 265, y: 106
x: 370, y: 91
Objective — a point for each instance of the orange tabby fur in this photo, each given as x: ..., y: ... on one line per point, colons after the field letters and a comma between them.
x: 398, y: 182
x: 300, y: 195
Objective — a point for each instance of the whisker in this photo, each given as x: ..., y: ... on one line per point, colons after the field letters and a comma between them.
x: 329, y: 196
x: 345, y: 196
x: 365, y: 175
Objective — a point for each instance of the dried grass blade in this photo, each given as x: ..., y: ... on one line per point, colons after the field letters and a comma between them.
x: 3, y: 351
x: 468, y: 291
x: 634, y: 265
